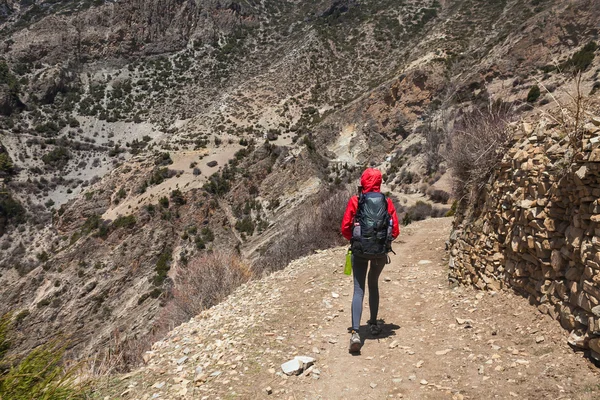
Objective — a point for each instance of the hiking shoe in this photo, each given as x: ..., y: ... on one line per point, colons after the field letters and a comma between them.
x: 374, y: 328
x: 355, y: 342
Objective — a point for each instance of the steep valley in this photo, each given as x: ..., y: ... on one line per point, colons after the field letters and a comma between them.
x: 139, y: 136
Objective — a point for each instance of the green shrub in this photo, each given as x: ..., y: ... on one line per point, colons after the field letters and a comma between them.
x: 57, y: 158
x: 103, y: 231
x: 163, y: 264
x: 245, y: 225
x: 20, y: 317
x: 534, y: 94
x: 310, y: 145
x: 164, y: 202
x: 218, y: 184
x: 73, y: 122
x: 11, y: 209
x: 154, y: 293
x: 43, y: 256
x: 159, y: 175
x: 207, y: 234
x: 121, y: 193
x: 7, y: 78
x: 40, y: 374
x: 49, y: 128
x: 452, y: 211
x: 126, y: 222
x: 74, y: 237
x: 177, y: 197
x: 582, y: 59
x: 6, y: 164
x: 43, y: 303
x: 163, y: 159
x: 92, y: 222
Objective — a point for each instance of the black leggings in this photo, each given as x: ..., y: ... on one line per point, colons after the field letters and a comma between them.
x: 359, y: 268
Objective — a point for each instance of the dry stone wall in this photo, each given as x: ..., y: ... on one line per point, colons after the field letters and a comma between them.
x: 535, y: 228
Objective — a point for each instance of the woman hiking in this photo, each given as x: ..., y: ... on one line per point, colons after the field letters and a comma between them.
x: 370, y: 223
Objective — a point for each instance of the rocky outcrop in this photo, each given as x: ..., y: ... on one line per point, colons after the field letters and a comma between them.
x: 536, y: 229
x: 125, y: 28
x: 47, y: 84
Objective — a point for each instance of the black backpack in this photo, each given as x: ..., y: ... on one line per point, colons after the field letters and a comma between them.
x: 372, y: 233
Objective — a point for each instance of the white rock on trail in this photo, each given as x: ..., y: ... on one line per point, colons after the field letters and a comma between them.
x: 297, y: 365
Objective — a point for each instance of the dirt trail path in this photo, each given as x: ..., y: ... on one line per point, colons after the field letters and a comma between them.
x: 438, y: 342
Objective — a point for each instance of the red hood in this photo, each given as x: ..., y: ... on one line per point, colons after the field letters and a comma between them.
x: 370, y: 180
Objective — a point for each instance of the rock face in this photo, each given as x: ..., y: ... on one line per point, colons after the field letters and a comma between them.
x: 536, y: 229
x: 49, y: 83
x: 119, y: 28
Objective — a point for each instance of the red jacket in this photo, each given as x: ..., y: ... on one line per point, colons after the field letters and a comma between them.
x: 370, y: 182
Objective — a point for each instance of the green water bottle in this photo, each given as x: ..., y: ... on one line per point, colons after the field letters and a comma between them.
x: 348, y: 266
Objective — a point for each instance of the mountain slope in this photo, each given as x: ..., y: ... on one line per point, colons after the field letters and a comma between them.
x: 438, y: 342
x: 114, y: 114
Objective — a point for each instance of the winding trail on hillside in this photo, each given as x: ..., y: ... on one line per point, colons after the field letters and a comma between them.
x: 439, y: 342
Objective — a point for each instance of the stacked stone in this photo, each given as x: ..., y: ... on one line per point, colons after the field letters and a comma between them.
x: 536, y: 228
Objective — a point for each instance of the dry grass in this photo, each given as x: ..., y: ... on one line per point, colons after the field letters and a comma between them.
x: 204, y: 282
x: 316, y: 226
x: 435, y: 138
x: 570, y: 116
x: 476, y: 145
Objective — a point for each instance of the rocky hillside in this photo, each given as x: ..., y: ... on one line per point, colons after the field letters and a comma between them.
x: 139, y: 135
